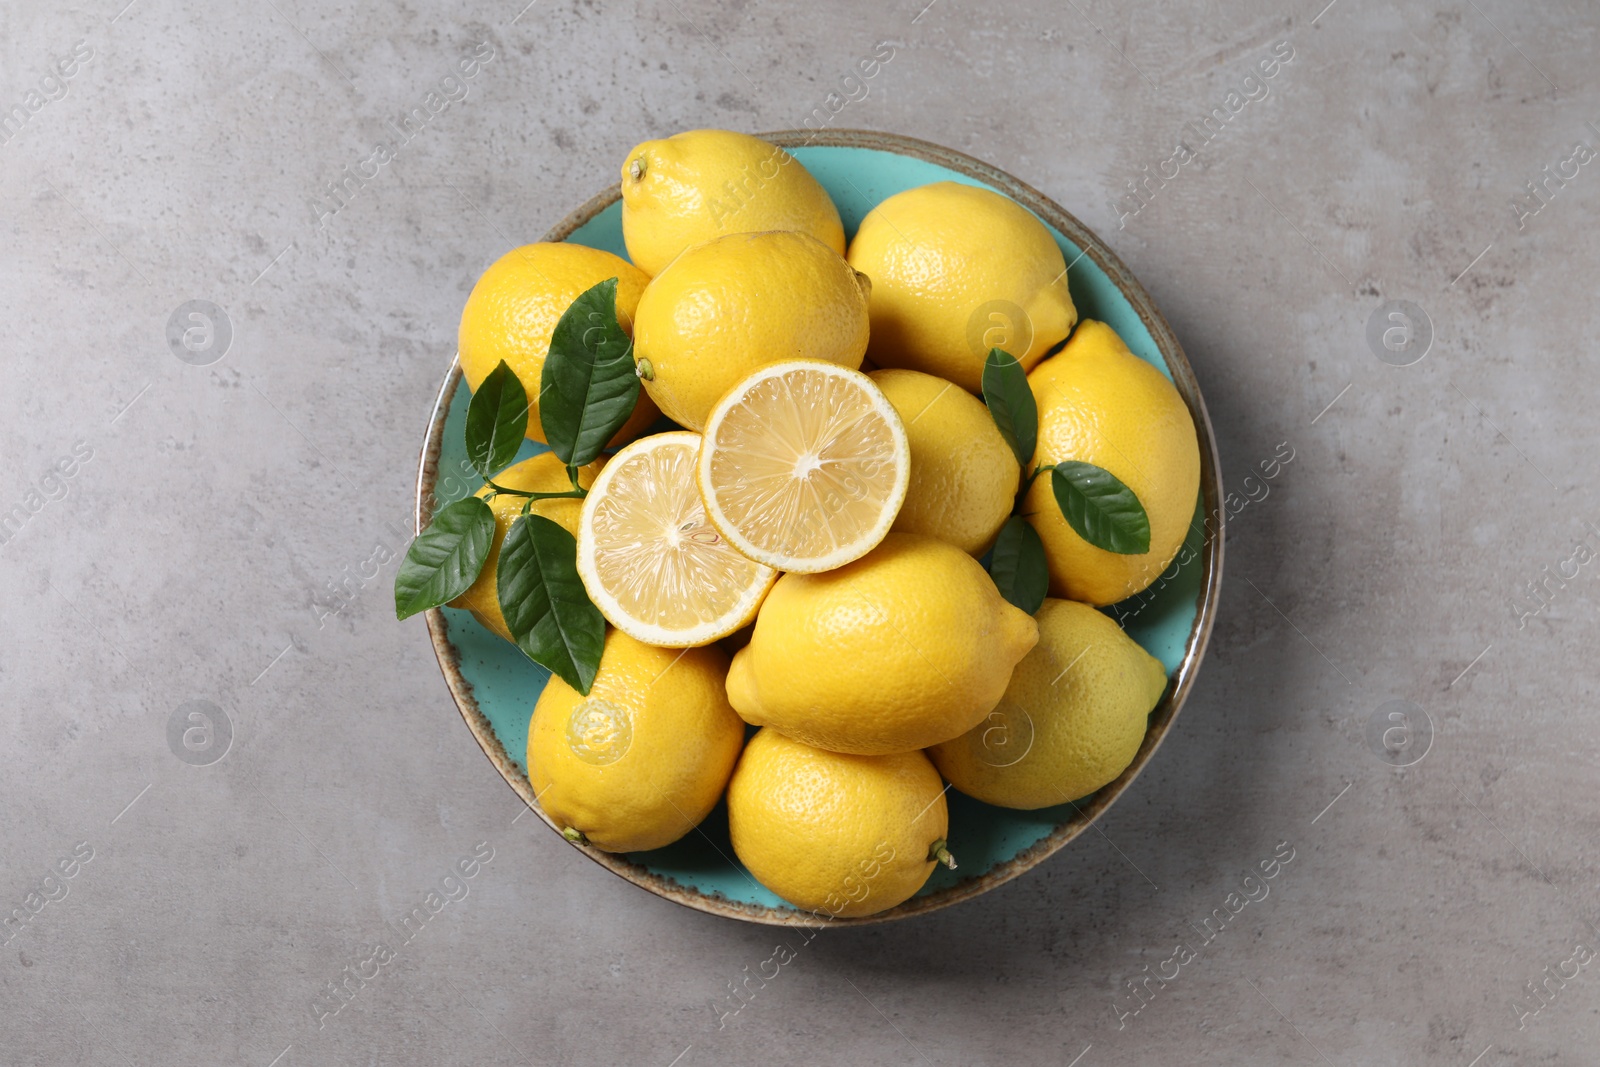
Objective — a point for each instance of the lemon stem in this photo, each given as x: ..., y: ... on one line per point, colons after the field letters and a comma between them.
x: 940, y: 854
x: 636, y: 169
x: 644, y: 369
x: 574, y: 835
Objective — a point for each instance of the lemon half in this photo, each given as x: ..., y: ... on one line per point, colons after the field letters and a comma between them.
x: 804, y: 465
x: 653, y: 565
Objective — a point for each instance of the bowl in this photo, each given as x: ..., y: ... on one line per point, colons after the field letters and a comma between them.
x: 495, y: 686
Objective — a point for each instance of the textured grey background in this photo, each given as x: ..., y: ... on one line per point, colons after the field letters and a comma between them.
x: 193, y: 555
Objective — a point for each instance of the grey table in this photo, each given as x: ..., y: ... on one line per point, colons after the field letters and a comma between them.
x: 213, y: 518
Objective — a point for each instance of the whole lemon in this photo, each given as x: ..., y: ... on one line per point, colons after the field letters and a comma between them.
x: 514, y: 308
x: 957, y: 270
x: 907, y: 646
x: 688, y: 189
x: 1072, y: 718
x: 840, y: 836
x: 963, y: 474
x: 543, y: 473
x: 728, y: 307
x: 1101, y: 404
x: 642, y: 759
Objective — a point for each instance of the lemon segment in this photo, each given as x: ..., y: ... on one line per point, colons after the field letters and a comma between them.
x: 652, y: 564
x: 804, y: 466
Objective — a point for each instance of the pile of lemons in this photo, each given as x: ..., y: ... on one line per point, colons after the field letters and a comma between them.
x: 801, y: 551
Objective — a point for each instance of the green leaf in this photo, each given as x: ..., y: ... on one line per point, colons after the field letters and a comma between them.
x: 497, y: 421
x: 544, y: 603
x: 589, y: 385
x: 444, y: 560
x: 1011, y: 404
x: 1105, y: 512
x: 1017, y: 565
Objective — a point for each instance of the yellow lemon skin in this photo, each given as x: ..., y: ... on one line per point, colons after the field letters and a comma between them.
x: 539, y: 474
x: 964, y: 476
x: 1072, y: 718
x: 642, y: 759
x: 957, y: 270
x: 689, y: 189
x: 1099, y: 403
x: 728, y: 307
x: 907, y: 646
x: 837, y: 835
x: 514, y: 308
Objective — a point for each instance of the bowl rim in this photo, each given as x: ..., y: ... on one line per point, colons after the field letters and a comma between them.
x: 1161, y: 717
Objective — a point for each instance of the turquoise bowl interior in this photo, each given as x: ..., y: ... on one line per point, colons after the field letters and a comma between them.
x: 496, y: 686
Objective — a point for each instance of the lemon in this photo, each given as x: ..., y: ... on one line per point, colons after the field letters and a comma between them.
x: 963, y: 474
x: 516, y: 304
x: 1072, y: 718
x: 686, y: 190
x: 839, y: 836
x: 957, y: 270
x: 1101, y: 404
x: 648, y: 558
x: 804, y: 465
x: 642, y: 759
x: 543, y: 473
x: 730, y: 306
x: 908, y: 646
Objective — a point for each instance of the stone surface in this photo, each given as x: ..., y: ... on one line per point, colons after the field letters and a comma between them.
x: 210, y: 507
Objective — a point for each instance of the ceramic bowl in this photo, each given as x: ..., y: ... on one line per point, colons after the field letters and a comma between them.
x: 495, y: 686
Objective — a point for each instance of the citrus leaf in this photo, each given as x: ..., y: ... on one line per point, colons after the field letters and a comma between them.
x: 589, y: 386
x: 1010, y: 402
x: 544, y: 603
x: 497, y: 421
x: 1017, y: 565
x: 444, y: 560
x: 1100, y: 508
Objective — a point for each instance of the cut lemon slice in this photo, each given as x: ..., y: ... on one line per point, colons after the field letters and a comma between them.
x: 804, y: 465
x: 653, y: 565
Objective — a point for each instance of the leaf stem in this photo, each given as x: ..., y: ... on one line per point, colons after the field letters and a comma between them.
x: 576, y: 493
x: 572, y: 476
x: 1028, y: 484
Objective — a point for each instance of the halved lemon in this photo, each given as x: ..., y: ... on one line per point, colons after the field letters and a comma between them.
x: 653, y: 565
x: 804, y: 465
